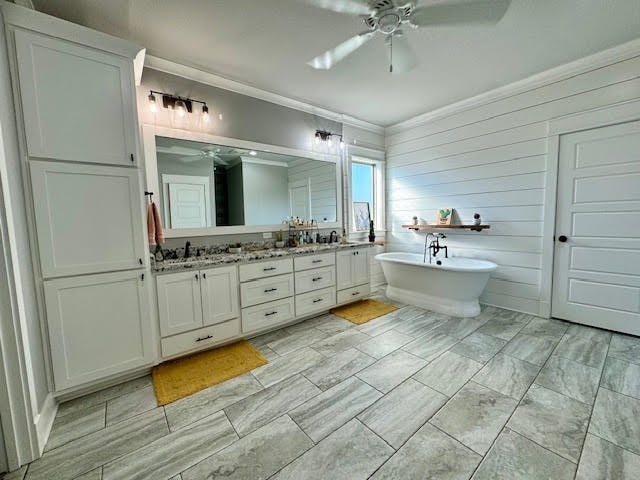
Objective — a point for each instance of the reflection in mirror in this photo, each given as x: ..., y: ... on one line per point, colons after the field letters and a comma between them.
x: 205, y: 185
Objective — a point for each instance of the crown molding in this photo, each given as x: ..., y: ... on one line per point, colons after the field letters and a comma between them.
x: 208, y: 78
x: 601, y: 59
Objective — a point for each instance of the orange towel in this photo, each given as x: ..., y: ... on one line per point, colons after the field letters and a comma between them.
x: 158, y: 225
x: 151, y: 226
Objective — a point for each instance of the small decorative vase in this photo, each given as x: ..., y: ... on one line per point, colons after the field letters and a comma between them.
x: 415, y: 220
x: 476, y: 219
x: 372, y: 234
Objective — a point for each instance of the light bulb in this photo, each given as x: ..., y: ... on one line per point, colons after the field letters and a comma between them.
x: 252, y: 153
x: 180, y: 108
x: 329, y: 141
x: 317, y: 139
x: 219, y: 116
x: 341, y: 144
x: 205, y: 114
x: 153, y: 105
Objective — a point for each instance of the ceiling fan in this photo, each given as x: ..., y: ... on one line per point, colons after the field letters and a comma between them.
x: 207, y: 154
x: 387, y: 17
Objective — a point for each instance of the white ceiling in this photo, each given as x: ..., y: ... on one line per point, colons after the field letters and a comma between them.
x: 266, y: 44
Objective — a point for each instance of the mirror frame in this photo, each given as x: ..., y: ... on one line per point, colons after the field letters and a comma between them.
x: 149, y: 134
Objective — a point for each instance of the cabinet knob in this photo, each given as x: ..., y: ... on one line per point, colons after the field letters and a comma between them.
x: 562, y: 238
x: 316, y: 279
x: 317, y: 300
x: 132, y: 158
x: 268, y: 290
x: 196, y: 276
x: 270, y: 313
x: 268, y: 269
x: 355, y: 293
x: 204, y: 275
x: 316, y: 261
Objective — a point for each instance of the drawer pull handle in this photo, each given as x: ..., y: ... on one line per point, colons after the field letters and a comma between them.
x: 355, y: 293
x: 201, y: 339
x: 317, y: 300
x: 270, y: 313
x: 196, y: 276
x: 268, y: 290
x: 268, y: 269
x: 316, y: 261
x: 315, y: 279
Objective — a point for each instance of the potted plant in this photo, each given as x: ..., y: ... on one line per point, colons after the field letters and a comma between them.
x: 235, y: 248
x: 372, y: 233
x: 279, y: 239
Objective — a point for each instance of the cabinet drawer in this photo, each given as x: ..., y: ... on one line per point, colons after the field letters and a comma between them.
x: 267, y: 315
x: 311, y: 280
x: 252, y: 271
x: 353, y: 294
x: 266, y: 290
x: 314, y: 261
x: 315, y: 301
x: 194, y: 339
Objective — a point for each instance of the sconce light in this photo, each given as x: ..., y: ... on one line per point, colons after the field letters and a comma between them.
x: 324, y: 136
x: 180, y: 105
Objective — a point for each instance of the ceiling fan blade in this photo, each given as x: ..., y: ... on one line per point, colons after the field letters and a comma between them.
x: 329, y: 58
x: 478, y: 12
x: 353, y: 7
x: 403, y: 58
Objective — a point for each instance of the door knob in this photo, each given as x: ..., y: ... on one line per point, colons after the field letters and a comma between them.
x: 562, y: 238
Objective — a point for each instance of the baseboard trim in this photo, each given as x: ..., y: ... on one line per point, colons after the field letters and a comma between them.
x: 44, y: 421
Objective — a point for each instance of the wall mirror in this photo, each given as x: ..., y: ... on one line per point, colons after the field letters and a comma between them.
x: 209, y: 185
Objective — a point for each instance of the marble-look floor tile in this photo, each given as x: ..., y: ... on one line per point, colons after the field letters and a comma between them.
x: 131, y: 404
x: 479, y: 347
x: 299, y: 327
x: 331, y: 324
x: 296, y: 341
x: 515, y: 457
x: 384, y: 343
x: 570, y: 378
x: 604, y: 460
x: 507, y: 375
x: 460, y: 327
x: 269, y: 337
x: 625, y: 347
x: 16, y: 474
x: 352, y: 452
x: 264, y: 406
x: 92, y: 475
x: 267, y: 353
x: 392, y: 370
x: 552, y: 420
x: 416, y: 326
x: 542, y: 327
x: 530, y: 348
x: 333, y: 370
x: 615, y: 418
x: 401, y: 412
x: 102, y: 396
x: 475, y: 416
x: 286, y: 366
x: 175, y: 452
x: 340, y: 341
x: 190, y: 409
x: 583, y: 351
x: 96, y: 449
x: 505, y: 327
x: 430, y: 454
x: 325, y: 413
x: 588, y: 333
x: 622, y: 377
x: 256, y: 456
x: 75, y: 425
x: 383, y: 324
x: 448, y: 373
x: 431, y: 345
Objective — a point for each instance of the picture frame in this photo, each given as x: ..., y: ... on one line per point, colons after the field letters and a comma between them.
x: 444, y: 216
x: 361, y: 216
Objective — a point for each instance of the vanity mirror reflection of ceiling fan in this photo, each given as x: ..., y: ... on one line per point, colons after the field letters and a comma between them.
x: 390, y: 17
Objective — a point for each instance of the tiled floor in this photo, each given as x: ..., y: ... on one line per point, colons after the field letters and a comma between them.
x: 409, y: 395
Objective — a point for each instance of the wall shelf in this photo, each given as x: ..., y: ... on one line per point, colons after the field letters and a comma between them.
x: 475, y: 228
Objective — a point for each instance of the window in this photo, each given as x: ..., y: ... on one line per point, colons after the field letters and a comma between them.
x: 367, y: 185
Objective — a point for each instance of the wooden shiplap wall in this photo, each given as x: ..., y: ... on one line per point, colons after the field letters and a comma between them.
x: 492, y: 159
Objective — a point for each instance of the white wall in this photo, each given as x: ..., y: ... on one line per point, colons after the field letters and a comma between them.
x: 266, y: 193
x: 322, y: 183
x: 491, y: 158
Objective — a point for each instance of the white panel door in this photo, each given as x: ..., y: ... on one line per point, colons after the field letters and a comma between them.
x: 360, y: 270
x: 188, y: 205
x: 99, y: 325
x: 597, y: 250
x: 219, y: 289
x: 78, y: 103
x: 344, y: 267
x: 89, y: 218
x: 179, y: 302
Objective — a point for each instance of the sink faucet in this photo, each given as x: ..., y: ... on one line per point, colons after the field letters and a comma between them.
x: 333, y: 235
x: 434, y: 246
x: 187, y: 249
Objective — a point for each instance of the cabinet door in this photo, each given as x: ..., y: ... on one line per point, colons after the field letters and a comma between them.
x: 360, y: 269
x: 78, y: 103
x: 99, y: 325
x: 219, y: 289
x: 344, y: 268
x: 179, y: 302
x: 89, y: 218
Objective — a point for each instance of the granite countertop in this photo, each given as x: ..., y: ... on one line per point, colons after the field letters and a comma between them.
x: 178, y: 264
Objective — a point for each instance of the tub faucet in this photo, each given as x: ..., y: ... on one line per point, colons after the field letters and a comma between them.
x: 434, y: 246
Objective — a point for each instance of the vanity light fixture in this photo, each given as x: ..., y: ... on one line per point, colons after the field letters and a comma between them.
x: 253, y: 153
x: 205, y: 113
x: 153, y: 105
x: 180, y: 105
x: 325, y: 136
x: 180, y: 108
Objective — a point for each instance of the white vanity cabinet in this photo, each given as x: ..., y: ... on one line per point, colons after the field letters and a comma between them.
x: 98, y: 326
x: 197, y: 308
x: 78, y: 103
x: 315, y: 283
x: 352, y: 274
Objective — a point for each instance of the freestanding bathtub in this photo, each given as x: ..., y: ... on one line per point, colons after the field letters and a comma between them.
x: 451, y: 288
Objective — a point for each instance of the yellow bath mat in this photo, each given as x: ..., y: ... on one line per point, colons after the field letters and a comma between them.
x: 179, y: 378
x: 363, y: 311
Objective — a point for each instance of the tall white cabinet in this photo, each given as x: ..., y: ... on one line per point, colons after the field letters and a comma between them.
x: 76, y: 109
